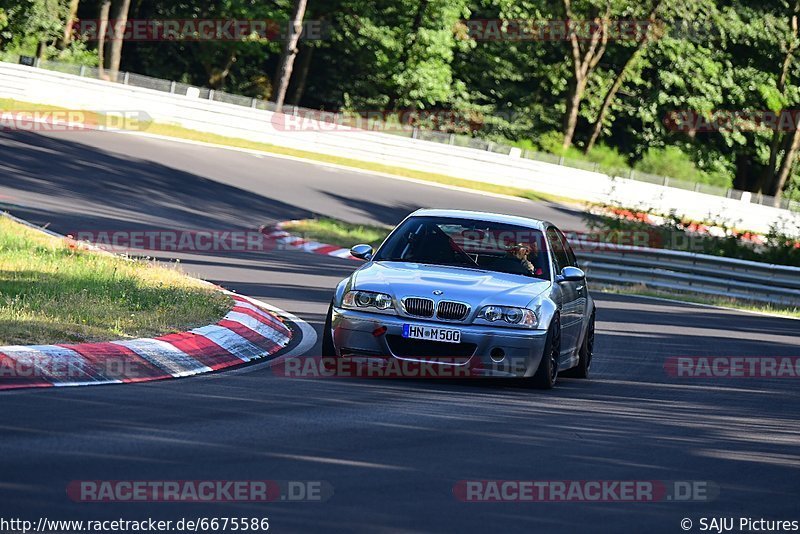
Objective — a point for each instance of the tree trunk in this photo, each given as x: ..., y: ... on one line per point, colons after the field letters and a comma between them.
x: 771, y: 174
x: 41, y: 46
x: 105, y: 7
x: 786, y: 168
x: 290, y: 52
x: 607, y: 101
x: 120, y: 18
x: 68, y: 24
x: 770, y: 169
x: 300, y: 82
x: 615, y: 87
x: 573, y: 107
x: 584, y: 62
x: 742, y: 179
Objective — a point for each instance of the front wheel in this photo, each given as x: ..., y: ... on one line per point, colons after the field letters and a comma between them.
x: 328, y: 349
x: 547, y: 373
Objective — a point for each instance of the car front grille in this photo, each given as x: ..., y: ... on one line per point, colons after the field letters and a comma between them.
x: 419, y: 307
x: 423, y: 349
x: 452, y: 311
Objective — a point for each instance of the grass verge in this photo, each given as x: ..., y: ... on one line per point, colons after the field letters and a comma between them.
x: 334, y: 232
x: 170, y: 130
x: 51, y: 292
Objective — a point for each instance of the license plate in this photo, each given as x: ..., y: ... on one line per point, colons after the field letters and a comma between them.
x: 430, y: 333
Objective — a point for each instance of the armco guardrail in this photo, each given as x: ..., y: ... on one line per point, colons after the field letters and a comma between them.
x: 696, y: 273
x: 191, y: 111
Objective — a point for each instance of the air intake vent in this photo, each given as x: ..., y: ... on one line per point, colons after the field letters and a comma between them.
x: 452, y: 311
x: 419, y: 307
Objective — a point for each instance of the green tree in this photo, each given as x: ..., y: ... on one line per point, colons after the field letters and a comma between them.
x: 32, y: 22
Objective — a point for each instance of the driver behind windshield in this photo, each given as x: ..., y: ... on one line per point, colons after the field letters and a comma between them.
x: 524, y: 252
x: 465, y: 243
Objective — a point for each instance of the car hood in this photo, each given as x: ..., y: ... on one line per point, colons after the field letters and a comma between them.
x: 474, y: 287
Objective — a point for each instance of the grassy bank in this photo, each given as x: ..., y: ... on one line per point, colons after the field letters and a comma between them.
x: 179, y: 132
x: 334, y: 232
x: 51, y: 292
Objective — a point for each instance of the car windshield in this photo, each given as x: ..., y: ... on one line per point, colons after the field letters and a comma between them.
x: 468, y: 243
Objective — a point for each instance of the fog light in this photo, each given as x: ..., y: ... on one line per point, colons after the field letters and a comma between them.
x: 497, y: 355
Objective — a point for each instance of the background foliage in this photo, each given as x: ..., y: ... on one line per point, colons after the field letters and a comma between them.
x: 698, y: 56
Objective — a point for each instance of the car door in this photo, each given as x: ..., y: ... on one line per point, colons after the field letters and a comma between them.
x: 582, y: 288
x: 571, y: 293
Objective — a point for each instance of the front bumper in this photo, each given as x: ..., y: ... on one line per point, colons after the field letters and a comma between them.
x: 361, y: 336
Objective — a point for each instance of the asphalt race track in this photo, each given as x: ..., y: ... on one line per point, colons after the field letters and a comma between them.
x: 391, y: 449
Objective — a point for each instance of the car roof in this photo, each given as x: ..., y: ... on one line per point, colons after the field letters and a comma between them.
x: 483, y: 216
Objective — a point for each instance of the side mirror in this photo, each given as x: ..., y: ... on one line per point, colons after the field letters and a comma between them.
x: 362, y: 252
x: 572, y: 274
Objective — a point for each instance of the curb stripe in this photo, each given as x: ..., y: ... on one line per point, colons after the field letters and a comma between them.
x: 277, y: 234
x: 257, y: 326
x: 53, y: 363
x: 116, y: 362
x: 245, y: 350
x: 13, y: 377
x: 247, y: 316
x: 261, y: 313
x: 327, y: 249
x: 202, y: 349
x: 247, y: 331
x: 165, y: 356
x: 250, y: 335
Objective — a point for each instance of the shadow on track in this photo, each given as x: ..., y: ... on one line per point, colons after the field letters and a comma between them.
x: 80, y: 175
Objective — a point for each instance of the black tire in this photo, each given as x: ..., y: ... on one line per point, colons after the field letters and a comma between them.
x: 584, y: 354
x: 328, y: 349
x: 547, y: 373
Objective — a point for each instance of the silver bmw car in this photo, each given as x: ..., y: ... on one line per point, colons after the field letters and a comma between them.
x: 494, y: 294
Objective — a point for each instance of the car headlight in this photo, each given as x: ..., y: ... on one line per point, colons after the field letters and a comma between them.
x: 355, y: 300
x: 509, y: 316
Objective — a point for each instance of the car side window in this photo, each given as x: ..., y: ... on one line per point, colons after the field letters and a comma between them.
x: 559, y: 253
x: 573, y: 261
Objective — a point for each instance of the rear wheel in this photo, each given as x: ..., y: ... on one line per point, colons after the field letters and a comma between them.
x: 547, y: 373
x: 584, y: 354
